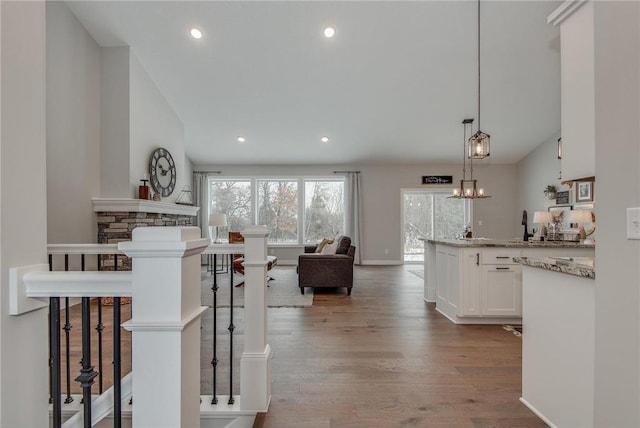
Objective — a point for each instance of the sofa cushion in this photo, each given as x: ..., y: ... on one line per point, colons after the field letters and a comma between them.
x: 322, y: 245
x: 344, y: 242
x: 330, y: 248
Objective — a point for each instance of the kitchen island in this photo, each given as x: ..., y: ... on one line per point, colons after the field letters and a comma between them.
x: 558, y: 339
x: 476, y: 281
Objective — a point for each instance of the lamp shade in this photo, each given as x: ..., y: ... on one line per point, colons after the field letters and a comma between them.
x: 580, y: 216
x: 542, y: 217
x: 218, y: 219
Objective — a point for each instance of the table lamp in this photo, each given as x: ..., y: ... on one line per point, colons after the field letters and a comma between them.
x: 542, y: 218
x: 217, y: 220
x: 582, y: 217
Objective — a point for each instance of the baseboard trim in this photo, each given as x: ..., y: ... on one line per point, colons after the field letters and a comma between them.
x: 537, y: 413
x: 381, y: 263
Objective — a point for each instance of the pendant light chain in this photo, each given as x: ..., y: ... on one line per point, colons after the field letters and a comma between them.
x: 478, y: 66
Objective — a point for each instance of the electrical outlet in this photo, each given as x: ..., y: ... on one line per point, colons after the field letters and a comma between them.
x: 633, y: 223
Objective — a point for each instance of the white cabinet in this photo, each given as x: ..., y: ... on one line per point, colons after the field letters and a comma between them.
x: 501, y: 283
x: 577, y: 89
x: 502, y: 290
x: 467, y: 291
x: 447, y: 277
x: 483, y: 285
x: 470, y: 284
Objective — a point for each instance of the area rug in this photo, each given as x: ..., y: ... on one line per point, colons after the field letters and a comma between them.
x: 282, y: 292
x: 515, y: 329
x: 417, y: 272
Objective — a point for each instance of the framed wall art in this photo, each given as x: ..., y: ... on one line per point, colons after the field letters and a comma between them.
x: 584, y: 191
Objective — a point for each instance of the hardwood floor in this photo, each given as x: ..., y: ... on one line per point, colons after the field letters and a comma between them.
x: 384, y: 358
x: 381, y: 357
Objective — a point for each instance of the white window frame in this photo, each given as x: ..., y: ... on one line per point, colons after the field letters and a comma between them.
x: 300, y: 195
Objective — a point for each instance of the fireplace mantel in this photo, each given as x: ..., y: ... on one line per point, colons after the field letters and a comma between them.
x: 103, y: 205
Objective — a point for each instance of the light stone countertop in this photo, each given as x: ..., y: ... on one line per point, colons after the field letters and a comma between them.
x: 578, y: 266
x: 484, y: 242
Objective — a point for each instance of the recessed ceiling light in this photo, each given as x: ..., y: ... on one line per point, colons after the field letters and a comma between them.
x: 329, y: 32
x: 324, y: 139
x: 195, y: 33
x: 240, y: 139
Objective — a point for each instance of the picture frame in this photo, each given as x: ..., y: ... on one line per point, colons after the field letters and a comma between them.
x: 584, y: 191
x: 562, y: 198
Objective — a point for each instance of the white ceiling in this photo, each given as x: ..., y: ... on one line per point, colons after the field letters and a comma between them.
x: 392, y: 86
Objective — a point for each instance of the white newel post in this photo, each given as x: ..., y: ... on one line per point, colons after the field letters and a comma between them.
x: 165, y: 325
x: 255, y: 363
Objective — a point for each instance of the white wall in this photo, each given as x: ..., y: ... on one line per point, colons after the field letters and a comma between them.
x: 617, y: 86
x: 114, y: 123
x: 153, y: 124
x: 538, y: 169
x: 382, y: 202
x: 188, y: 173
x: 73, y: 127
x: 23, y: 219
x: 105, y: 116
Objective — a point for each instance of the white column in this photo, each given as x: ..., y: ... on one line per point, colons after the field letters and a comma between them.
x: 165, y: 325
x: 255, y: 363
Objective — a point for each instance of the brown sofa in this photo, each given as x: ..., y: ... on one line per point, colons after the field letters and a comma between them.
x: 327, y: 270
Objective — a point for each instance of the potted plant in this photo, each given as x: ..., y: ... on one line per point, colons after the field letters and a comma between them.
x: 550, y: 191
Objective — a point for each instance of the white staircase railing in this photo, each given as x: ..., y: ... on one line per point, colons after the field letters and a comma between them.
x: 165, y: 323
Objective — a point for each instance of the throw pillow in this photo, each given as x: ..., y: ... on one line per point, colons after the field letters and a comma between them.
x: 323, y: 244
x: 330, y: 248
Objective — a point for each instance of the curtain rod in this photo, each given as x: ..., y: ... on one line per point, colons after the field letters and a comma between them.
x: 344, y: 172
x: 207, y: 172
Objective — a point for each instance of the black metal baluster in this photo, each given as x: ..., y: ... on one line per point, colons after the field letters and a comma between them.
x: 87, y: 374
x: 50, y: 356
x: 214, y: 361
x: 231, y: 328
x: 117, y: 366
x: 67, y: 333
x: 54, y: 352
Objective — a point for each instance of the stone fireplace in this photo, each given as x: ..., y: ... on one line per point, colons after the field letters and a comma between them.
x: 117, y: 217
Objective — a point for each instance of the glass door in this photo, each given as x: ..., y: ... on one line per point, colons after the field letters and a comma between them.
x: 430, y: 214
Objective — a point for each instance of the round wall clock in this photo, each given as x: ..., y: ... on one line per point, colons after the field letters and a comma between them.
x: 162, y: 172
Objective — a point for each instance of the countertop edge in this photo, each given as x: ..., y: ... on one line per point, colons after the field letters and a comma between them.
x: 568, y: 268
x: 507, y: 244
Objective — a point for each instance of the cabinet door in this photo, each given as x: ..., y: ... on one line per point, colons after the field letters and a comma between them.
x: 502, y: 290
x: 470, y: 284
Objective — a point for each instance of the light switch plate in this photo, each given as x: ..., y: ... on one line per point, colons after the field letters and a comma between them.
x: 633, y: 223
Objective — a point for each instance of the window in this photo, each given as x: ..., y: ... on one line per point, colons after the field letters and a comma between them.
x: 233, y: 198
x: 278, y: 209
x: 323, y: 209
x: 278, y: 204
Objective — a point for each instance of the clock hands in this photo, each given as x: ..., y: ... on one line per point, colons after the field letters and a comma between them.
x: 163, y: 171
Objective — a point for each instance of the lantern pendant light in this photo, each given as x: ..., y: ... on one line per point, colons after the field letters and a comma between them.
x: 468, y: 188
x: 479, y: 143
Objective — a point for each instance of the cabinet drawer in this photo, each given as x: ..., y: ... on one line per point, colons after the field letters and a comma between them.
x: 499, y: 256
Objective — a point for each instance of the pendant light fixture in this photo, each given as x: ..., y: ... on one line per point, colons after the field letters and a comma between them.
x: 468, y: 187
x: 479, y: 143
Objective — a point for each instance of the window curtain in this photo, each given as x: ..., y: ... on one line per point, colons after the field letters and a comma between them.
x: 353, y: 214
x: 200, y: 198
